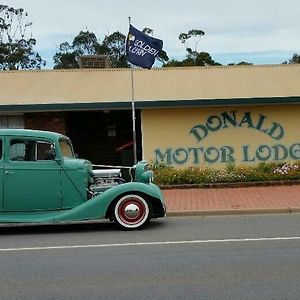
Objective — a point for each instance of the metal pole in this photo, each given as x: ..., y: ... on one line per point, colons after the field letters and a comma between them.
x: 133, y: 111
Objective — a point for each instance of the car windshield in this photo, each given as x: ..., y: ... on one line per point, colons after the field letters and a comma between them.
x: 66, y: 148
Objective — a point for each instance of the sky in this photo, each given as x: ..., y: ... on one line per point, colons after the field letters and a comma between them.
x: 256, y: 31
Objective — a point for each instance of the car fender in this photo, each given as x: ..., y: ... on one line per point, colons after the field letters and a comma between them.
x: 97, y: 207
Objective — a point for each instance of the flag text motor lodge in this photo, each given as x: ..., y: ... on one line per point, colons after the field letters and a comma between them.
x: 141, y: 48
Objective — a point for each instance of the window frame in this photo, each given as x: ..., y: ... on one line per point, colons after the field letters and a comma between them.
x: 34, y: 157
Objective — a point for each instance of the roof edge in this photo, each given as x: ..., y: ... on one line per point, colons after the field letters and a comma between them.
x: 78, y: 70
x: 149, y: 104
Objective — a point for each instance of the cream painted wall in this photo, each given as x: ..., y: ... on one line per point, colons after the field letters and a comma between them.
x: 206, y: 136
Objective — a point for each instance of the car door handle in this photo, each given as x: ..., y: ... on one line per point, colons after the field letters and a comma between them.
x: 9, y: 172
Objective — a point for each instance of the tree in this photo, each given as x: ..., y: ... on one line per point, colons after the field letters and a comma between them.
x: 67, y: 56
x: 294, y: 60
x: 148, y: 31
x: 113, y: 45
x: 205, y: 59
x: 241, y: 63
x: 193, y: 57
x: 16, y: 44
x: 162, y: 55
x: 86, y: 43
x: 196, y: 34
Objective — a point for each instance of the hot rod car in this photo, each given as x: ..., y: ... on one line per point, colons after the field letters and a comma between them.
x: 42, y: 181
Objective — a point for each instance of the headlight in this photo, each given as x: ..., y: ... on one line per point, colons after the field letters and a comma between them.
x: 147, y: 177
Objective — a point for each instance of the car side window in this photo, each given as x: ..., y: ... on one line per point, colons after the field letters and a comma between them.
x: 31, y: 150
x: 45, y: 151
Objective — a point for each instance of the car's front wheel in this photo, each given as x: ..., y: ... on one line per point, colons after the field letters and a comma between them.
x: 131, y: 211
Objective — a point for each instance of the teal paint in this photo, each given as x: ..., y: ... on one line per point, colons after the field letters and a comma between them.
x: 225, y: 120
x: 246, y: 154
x: 227, y: 154
x: 247, y: 119
x: 56, y: 188
x: 294, y: 151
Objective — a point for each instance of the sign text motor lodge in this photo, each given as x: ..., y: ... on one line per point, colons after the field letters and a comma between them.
x: 227, y: 153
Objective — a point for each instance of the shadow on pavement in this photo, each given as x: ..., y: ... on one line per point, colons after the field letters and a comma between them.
x: 101, y: 226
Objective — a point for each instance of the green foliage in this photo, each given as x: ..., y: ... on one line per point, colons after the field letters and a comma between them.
x: 205, y: 59
x: 167, y: 175
x: 241, y: 63
x: 67, y: 56
x: 16, y: 44
x: 193, y: 59
x: 86, y: 43
x: 267, y: 168
x: 294, y: 60
x: 196, y: 34
x: 115, y: 49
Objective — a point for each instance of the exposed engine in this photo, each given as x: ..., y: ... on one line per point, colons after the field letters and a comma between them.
x: 105, y: 179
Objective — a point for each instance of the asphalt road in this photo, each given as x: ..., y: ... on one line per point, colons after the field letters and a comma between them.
x: 229, y: 257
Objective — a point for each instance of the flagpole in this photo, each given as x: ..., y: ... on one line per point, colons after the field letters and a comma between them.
x: 133, y: 110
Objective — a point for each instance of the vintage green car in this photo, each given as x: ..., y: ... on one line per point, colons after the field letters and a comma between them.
x: 42, y: 181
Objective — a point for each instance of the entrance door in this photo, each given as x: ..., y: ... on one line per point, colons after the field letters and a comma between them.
x: 104, y: 137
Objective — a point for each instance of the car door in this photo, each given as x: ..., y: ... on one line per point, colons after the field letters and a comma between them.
x: 32, y: 178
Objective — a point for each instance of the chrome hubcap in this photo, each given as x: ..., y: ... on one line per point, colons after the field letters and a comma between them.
x: 131, y: 211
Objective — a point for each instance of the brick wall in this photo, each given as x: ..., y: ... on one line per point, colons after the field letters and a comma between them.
x: 46, y: 121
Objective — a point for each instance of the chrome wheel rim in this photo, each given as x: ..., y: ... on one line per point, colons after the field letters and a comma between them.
x: 131, y: 211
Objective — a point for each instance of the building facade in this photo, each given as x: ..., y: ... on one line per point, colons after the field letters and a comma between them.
x: 200, y: 116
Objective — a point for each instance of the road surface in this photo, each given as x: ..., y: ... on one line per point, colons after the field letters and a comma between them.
x: 222, y: 257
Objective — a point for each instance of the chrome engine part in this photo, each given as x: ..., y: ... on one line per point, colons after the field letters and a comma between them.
x: 105, y: 179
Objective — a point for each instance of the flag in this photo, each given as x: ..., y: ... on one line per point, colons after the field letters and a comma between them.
x: 141, y: 48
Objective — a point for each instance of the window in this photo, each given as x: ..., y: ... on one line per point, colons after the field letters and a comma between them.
x: 11, y: 122
x: 31, y: 150
x: 45, y: 151
x: 0, y: 149
x: 66, y: 148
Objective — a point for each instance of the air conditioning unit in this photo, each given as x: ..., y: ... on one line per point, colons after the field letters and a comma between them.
x: 94, y: 62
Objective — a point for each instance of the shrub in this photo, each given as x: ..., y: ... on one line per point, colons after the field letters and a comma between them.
x: 167, y: 175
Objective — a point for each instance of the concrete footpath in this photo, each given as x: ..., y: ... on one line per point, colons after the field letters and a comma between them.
x: 232, y: 200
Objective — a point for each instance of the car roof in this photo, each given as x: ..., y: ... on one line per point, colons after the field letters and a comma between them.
x: 31, y: 133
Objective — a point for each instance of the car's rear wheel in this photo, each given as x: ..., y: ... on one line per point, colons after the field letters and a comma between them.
x: 131, y: 211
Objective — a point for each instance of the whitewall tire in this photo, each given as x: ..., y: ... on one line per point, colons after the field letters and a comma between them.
x: 131, y: 211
